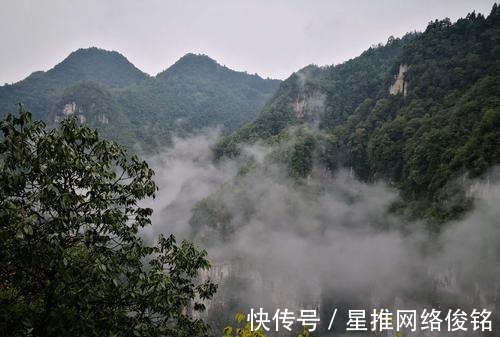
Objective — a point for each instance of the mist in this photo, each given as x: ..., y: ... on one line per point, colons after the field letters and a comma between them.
x: 326, y: 242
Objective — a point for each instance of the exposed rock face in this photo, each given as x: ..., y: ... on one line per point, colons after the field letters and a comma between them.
x: 73, y: 109
x: 238, y: 280
x: 69, y: 109
x: 299, y: 107
x: 445, y: 284
x: 479, y: 189
x: 81, y: 119
x: 309, y: 105
x: 103, y: 119
x: 400, y: 86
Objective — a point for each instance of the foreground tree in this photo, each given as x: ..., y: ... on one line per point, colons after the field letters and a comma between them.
x: 71, y: 260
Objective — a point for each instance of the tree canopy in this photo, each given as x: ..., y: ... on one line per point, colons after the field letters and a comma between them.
x: 72, y: 262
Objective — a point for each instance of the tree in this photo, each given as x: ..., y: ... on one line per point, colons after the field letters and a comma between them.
x: 72, y: 262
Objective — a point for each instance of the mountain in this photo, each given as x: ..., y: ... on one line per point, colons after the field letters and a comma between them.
x: 420, y: 112
x: 194, y: 93
x: 103, y: 89
x: 41, y: 89
x: 109, y: 68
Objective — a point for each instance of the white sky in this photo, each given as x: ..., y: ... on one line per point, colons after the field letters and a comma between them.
x: 270, y: 37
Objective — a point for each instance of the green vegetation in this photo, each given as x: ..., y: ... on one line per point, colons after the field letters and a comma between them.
x: 41, y: 90
x: 139, y: 111
x: 441, y: 124
x: 92, y: 64
x: 71, y: 260
x: 244, y: 329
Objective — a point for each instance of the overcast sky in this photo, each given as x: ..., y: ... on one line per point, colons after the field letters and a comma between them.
x: 270, y: 37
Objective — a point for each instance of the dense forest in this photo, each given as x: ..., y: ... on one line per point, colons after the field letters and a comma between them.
x: 344, y: 186
x: 420, y: 112
x: 106, y: 91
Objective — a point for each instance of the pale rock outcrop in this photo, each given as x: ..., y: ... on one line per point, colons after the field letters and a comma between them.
x: 69, y: 109
x: 400, y: 85
x: 309, y: 105
x: 81, y: 119
x: 72, y: 109
x: 103, y: 119
x: 479, y: 189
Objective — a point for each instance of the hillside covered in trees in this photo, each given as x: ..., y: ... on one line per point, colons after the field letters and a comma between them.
x: 345, y: 186
x: 420, y: 112
x: 106, y: 91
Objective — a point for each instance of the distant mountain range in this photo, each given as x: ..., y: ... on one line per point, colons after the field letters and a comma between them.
x: 104, y: 90
x: 420, y: 112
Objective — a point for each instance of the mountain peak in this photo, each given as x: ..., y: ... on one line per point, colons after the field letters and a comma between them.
x: 93, y: 51
x: 197, y: 58
x: 99, y: 65
x: 192, y: 63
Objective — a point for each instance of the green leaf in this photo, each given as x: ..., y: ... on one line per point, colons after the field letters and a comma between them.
x: 28, y: 230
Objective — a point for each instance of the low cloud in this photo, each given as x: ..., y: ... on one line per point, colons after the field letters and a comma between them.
x: 323, y: 241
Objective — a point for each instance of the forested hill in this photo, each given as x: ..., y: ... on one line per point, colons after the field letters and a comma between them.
x: 93, y: 64
x: 42, y: 90
x: 419, y: 112
x: 104, y: 90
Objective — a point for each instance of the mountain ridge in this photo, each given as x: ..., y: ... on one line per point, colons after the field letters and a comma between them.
x: 103, y: 89
x: 420, y: 112
x: 82, y: 54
